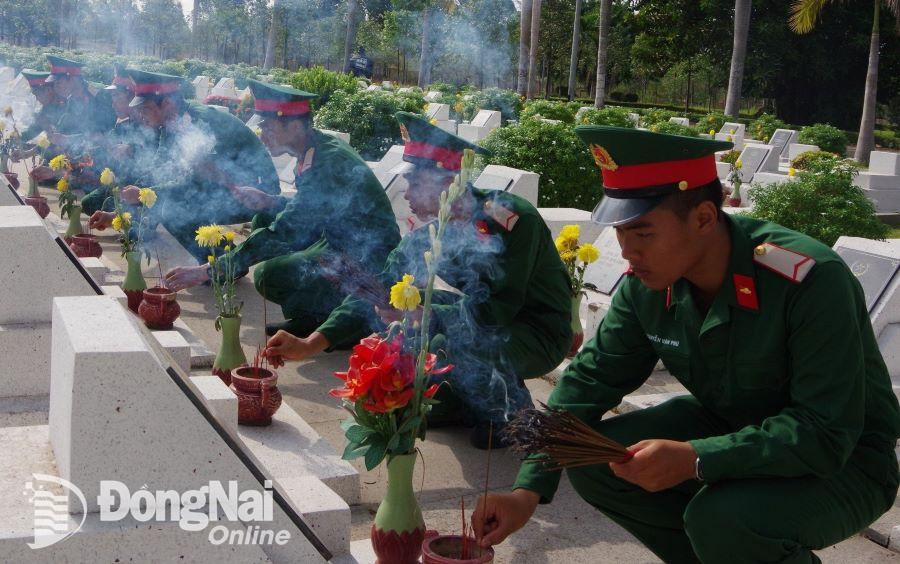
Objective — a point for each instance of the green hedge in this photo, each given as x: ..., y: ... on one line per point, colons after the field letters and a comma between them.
x: 467, y: 104
x: 323, y: 82
x: 368, y: 116
x: 674, y: 129
x: 823, y: 203
x: 827, y: 137
x: 764, y: 126
x: 569, y: 177
x: 609, y: 115
x: 562, y: 111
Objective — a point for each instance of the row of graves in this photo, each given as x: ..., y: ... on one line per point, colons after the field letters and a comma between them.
x: 121, y: 444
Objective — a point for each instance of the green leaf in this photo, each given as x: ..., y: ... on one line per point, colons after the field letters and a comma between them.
x: 359, y: 434
x: 407, y: 442
x: 392, y: 444
x: 410, y: 424
x: 354, y: 451
x: 375, y: 454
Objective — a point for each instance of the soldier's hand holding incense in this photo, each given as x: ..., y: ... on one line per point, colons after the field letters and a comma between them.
x: 182, y: 277
x: 100, y: 220
x: 130, y: 194
x: 285, y: 346
x: 657, y: 464
x: 502, y: 515
x: 252, y: 198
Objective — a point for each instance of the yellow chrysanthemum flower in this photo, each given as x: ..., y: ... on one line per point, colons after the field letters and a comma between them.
x: 570, y: 232
x: 739, y: 164
x: 712, y: 132
x: 792, y: 172
x: 405, y: 296
x: 209, y: 235
x: 229, y: 236
x: 107, y: 177
x: 588, y: 253
x: 126, y: 216
x: 121, y: 222
x: 59, y: 162
x: 211, y: 259
x: 563, y: 244
x: 147, y: 197
x: 62, y: 185
x: 227, y: 248
x: 43, y: 141
x: 567, y: 256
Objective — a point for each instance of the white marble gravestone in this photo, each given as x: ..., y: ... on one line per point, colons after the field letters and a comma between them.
x: 883, y: 175
x: 797, y: 149
x: 602, y: 278
x: 755, y: 158
x: 120, y: 411
x: 8, y: 194
x: 733, y: 132
x: 522, y: 183
x: 201, y: 87
x: 433, y: 96
x: 483, y: 123
x: 225, y: 87
x: 876, y: 264
x: 781, y: 140
x: 680, y: 121
x: 440, y: 112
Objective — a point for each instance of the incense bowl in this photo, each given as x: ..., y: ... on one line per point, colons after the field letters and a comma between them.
x: 13, y: 178
x: 448, y: 549
x: 159, y: 308
x: 257, y: 393
x: 85, y: 245
x: 39, y: 203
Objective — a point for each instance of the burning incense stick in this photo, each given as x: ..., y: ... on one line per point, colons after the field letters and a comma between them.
x: 561, y: 440
x: 162, y: 281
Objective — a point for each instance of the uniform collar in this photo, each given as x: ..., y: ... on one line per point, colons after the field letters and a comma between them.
x: 738, y: 289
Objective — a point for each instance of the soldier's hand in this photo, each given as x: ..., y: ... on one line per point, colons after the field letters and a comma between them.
x: 284, y: 346
x: 502, y: 515
x: 182, y: 277
x: 100, y: 220
x: 657, y: 464
x: 42, y: 173
x: 130, y: 194
x: 252, y: 198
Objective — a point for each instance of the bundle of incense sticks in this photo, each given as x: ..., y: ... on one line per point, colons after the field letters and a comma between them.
x: 352, y: 279
x: 560, y: 440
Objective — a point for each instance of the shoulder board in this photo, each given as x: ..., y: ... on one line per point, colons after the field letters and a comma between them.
x: 501, y: 214
x: 790, y: 264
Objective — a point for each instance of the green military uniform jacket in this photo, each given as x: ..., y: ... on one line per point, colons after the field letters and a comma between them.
x: 45, y: 120
x: 338, y: 199
x: 786, y: 358
x: 507, y: 269
x: 236, y: 155
x: 89, y: 113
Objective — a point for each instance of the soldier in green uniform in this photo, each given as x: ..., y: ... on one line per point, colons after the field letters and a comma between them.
x: 786, y: 442
x: 199, y: 160
x: 123, y: 147
x: 47, y: 117
x: 503, y: 303
x: 339, y: 213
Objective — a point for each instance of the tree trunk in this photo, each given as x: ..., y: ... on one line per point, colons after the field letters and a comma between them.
x: 602, y: 48
x: 865, y: 143
x: 351, y: 32
x: 524, y: 47
x: 273, y: 33
x: 535, y: 43
x: 425, y: 59
x: 576, y: 39
x: 738, y: 56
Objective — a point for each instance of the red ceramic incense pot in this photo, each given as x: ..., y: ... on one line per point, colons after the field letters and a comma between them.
x: 446, y: 549
x: 39, y: 203
x: 85, y: 245
x: 13, y: 178
x: 159, y: 308
x: 258, y: 395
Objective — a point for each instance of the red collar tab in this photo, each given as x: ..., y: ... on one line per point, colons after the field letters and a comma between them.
x: 481, y: 226
x: 282, y: 107
x: 745, y: 292
x: 155, y: 88
x: 71, y: 71
x: 447, y: 159
x: 668, y: 298
x: 687, y: 174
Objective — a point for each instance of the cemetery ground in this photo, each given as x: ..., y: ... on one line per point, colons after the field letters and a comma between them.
x: 569, y: 530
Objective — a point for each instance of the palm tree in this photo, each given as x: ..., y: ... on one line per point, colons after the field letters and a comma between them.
x: 738, y: 56
x: 533, y: 78
x: 352, y: 6
x: 524, y: 47
x: 573, y: 59
x: 425, y: 56
x: 273, y: 33
x: 602, y: 49
x: 804, y: 14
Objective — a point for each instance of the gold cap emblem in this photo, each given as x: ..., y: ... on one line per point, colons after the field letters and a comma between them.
x: 760, y: 250
x: 683, y: 185
x: 603, y: 158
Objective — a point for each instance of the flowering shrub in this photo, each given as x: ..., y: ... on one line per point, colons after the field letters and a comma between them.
x: 764, y: 126
x: 609, y: 115
x: 827, y: 137
x: 548, y: 109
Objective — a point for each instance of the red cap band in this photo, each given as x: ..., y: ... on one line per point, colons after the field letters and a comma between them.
x: 696, y: 172
x: 447, y: 158
x: 155, y: 88
x: 282, y: 107
x: 71, y: 71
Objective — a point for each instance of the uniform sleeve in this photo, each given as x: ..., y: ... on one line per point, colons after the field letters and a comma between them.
x: 243, y: 158
x: 613, y: 364
x: 817, y: 432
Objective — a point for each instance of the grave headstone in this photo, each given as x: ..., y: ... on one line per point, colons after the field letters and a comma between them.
x: 752, y: 158
x: 201, y: 86
x: 680, y: 121
x: 635, y: 118
x: 882, y: 181
x: 521, y: 183
x: 733, y: 132
x: 797, y: 149
x: 487, y: 118
x: 225, y: 87
x: 605, y: 273
x: 873, y: 271
x: 433, y: 96
x: 781, y: 139
x: 440, y: 112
